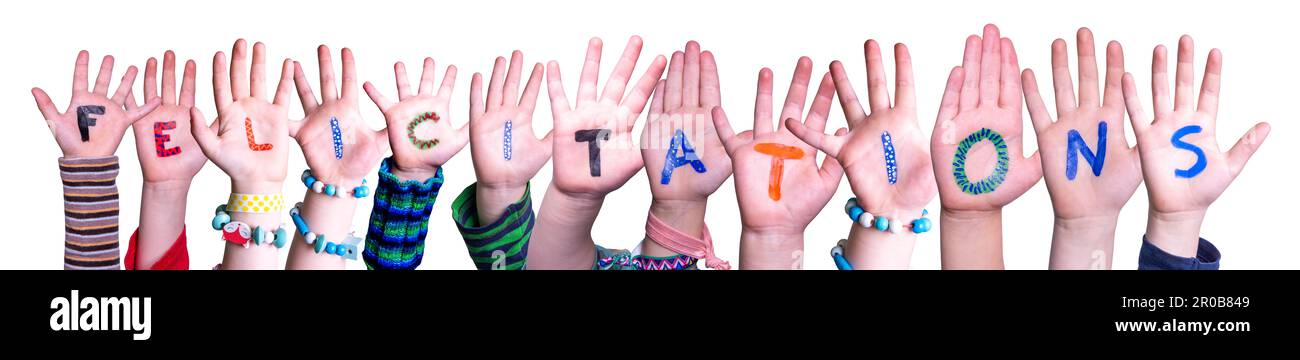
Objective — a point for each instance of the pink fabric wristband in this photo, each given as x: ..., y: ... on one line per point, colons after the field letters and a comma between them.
x: 672, y: 239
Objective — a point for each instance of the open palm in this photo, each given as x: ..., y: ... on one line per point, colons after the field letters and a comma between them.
x: 251, y: 133
x: 357, y: 150
x: 106, y: 118
x: 424, y: 109
x: 496, y: 164
x: 683, y: 103
x: 176, y: 156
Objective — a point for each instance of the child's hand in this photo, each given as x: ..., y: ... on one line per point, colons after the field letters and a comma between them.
x: 250, y: 134
x: 977, y: 149
x: 778, y: 184
x: 683, y: 103
x: 338, y: 146
x: 1080, y: 186
x: 500, y: 165
x: 94, y: 123
x: 899, y: 190
x: 1181, y: 162
x: 163, y: 141
x: 593, y: 149
x: 415, y: 152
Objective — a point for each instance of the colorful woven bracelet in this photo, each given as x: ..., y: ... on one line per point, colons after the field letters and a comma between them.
x: 501, y: 245
x: 242, y: 234
x: 346, y: 249
x: 399, y: 220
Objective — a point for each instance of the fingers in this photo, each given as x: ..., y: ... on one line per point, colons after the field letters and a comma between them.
x: 555, y: 87
x: 877, y: 84
x: 657, y: 101
x: 723, y: 127
x: 305, y: 93
x: 534, y: 86
x: 187, y: 84
x: 426, y: 77
x: 904, y: 83
x: 511, y: 94
x: 136, y: 114
x: 124, y: 87
x: 710, y: 85
x: 328, y: 92
x: 476, y: 105
x: 257, y: 83
x: 221, y: 92
x: 990, y: 65
x: 828, y: 144
x: 1064, y: 86
x: 1246, y: 147
x: 377, y: 97
x: 636, y: 99
x: 169, y: 78
x: 284, y: 89
x: 403, y: 83
x: 831, y: 172
x: 203, y: 133
x: 1160, y: 82
x: 1136, y: 115
x: 151, y: 79
x: 79, y: 72
x: 590, y: 72
x: 1186, y: 79
x: 130, y: 101
x: 348, y: 87
x: 673, y: 85
x: 821, y: 106
x: 381, y: 140
x: 1034, y: 99
x: 1009, y: 96
x: 1088, y: 80
x: 691, y: 75
x: 448, y: 80
x: 798, y: 92
x: 239, y: 70
x: 952, y: 95
x: 1209, y: 102
x: 546, y: 145
x: 105, y: 75
x: 46, y: 105
x: 497, y: 83
x: 1114, y: 94
x: 970, y: 64
x: 853, y: 112
x: 617, y: 83
x: 762, y: 103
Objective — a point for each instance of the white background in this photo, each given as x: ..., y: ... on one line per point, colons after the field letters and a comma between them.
x: 1252, y: 223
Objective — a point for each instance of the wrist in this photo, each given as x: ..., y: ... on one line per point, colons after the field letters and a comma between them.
x: 1083, y: 242
x: 686, y: 216
x: 330, y: 218
x: 771, y: 248
x: 412, y: 174
x: 1177, y: 233
x: 256, y: 187
x: 492, y: 200
x: 971, y: 239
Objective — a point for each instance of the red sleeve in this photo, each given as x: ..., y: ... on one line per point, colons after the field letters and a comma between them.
x: 176, y: 258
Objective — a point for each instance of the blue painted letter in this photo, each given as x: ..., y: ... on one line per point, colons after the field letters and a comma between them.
x: 672, y: 161
x: 1076, y: 147
x: 1178, y: 142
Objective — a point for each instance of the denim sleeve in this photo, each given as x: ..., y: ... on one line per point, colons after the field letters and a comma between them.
x: 1153, y: 258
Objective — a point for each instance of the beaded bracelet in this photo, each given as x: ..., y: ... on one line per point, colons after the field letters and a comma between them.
x: 320, y: 187
x: 241, y: 233
x: 837, y: 254
x: 346, y: 249
x: 862, y: 217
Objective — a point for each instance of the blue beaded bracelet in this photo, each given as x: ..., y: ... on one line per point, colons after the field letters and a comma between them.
x: 320, y: 187
x: 346, y: 249
x: 837, y: 254
x: 864, y: 218
x: 259, y: 236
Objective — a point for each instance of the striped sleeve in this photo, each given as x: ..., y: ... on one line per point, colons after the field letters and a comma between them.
x: 399, y: 221
x: 501, y: 245
x: 90, y: 213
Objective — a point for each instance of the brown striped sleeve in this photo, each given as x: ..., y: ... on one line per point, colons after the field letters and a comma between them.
x: 90, y: 209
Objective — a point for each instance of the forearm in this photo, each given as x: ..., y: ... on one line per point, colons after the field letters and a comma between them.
x: 971, y: 239
x: 330, y: 218
x: 686, y: 216
x: 1177, y: 233
x: 562, y: 239
x: 238, y: 257
x: 871, y: 249
x: 90, y: 213
x: 162, y: 218
x: 491, y: 200
x: 1083, y: 243
x: 771, y: 249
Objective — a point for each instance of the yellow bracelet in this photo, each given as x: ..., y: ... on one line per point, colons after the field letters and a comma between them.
x: 255, y: 203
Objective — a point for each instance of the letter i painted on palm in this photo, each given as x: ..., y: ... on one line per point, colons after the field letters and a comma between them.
x: 338, y: 137
x: 891, y: 159
x: 507, y: 140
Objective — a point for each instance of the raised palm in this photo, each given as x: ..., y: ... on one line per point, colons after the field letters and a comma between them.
x: 496, y: 163
x: 416, y: 120
x: 251, y: 135
x: 338, y: 146
x: 980, y: 115
x: 864, y: 152
x: 683, y: 103
x: 804, y: 188
x: 1173, y: 182
x: 93, y: 124
x: 607, y: 122
x: 163, y: 141
x: 1086, y: 194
